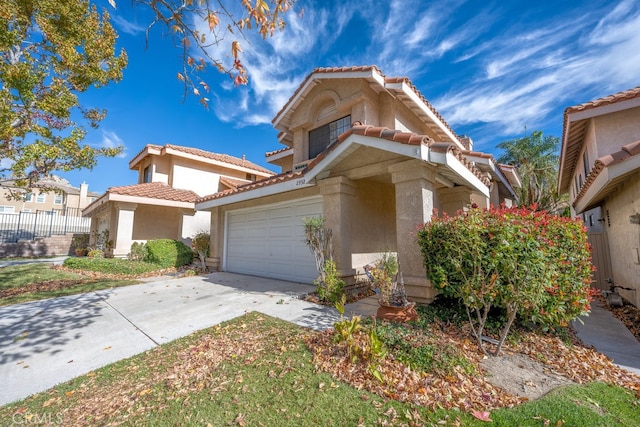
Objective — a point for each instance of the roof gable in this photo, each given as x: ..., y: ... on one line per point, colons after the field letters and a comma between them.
x: 400, y: 87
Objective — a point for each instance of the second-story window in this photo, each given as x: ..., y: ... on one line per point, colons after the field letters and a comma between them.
x: 320, y: 138
x: 57, y: 199
x: 146, y: 174
x: 40, y: 198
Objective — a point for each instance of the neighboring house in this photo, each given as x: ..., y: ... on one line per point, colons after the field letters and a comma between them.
x: 600, y: 170
x: 161, y: 204
x: 371, y: 155
x: 61, y: 197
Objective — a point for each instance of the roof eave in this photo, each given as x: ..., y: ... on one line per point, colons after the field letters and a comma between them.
x: 604, y: 182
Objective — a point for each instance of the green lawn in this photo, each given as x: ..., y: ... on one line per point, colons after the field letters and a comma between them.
x: 32, y: 282
x: 257, y: 371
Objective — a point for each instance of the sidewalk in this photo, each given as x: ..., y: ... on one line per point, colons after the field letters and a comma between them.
x: 610, y: 337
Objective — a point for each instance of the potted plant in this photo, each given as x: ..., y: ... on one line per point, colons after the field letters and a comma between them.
x: 79, y: 244
x: 386, y: 279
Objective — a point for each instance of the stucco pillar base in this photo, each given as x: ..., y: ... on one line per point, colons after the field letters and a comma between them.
x: 419, y: 289
x: 213, y: 263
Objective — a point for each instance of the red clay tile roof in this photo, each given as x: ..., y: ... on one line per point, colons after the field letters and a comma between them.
x: 376, y: 132
x: 611, y: 99
x: 232, y: 183
x: 155, y: 190
x: 273, y: 153
x: 219, y: 157
x: 275, y: 179
x: 405, y: 138
x: 627, y: 151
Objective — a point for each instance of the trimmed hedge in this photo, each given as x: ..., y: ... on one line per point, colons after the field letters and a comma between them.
x: 168, y: 253
x: 111, y: 265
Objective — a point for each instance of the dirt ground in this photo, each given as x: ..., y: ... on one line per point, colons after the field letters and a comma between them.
x: 522, y: 376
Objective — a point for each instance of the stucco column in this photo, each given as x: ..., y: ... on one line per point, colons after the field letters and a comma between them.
x: 216, y: 232
x: 415, y: 200
x: 338, y: 203
x: 124, y: 230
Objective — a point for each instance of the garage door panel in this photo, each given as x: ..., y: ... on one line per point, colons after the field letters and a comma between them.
x: 269, y: 241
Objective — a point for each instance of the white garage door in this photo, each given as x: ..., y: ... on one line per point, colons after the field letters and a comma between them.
x: 269, y: 241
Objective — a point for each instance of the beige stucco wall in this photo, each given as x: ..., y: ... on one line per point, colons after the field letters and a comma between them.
x: 156, y: 222
x: 624, y: 237
x: 373, y: 218
x: 614, y: 130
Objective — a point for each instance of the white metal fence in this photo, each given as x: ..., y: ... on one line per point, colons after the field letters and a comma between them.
x: 32, y: 225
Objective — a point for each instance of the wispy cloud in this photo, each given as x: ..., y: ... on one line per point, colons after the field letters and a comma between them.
x: 112, y: 140
x: 128, y: 27
x: 490, y: 70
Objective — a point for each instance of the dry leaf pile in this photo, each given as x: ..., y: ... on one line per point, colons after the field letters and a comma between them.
x: 49, y: 285
x: 466, y: 391
x: 98, y: 400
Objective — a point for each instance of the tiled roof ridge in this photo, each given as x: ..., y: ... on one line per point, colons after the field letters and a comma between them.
x: 274, y: 152
x: 275, y: 179
x: 606, y: 100
x: 155, y: 190
x: 627, y: 151
x: 319, y: 70
x: 232, y: 182
x: 218, y: 156
x: 405, y: 138
x: 423, y: 99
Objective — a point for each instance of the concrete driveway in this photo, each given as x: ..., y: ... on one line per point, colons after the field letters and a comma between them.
x: 44, y: 343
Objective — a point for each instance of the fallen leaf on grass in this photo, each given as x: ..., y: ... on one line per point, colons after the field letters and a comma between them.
x: 482, y: 415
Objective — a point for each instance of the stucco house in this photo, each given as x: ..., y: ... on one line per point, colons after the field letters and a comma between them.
x: 62, y: 197
x: 371, y: 155
x: 600, y: 170
x: 162, y: 203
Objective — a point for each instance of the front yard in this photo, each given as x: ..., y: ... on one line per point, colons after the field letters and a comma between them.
x: 259, y: 371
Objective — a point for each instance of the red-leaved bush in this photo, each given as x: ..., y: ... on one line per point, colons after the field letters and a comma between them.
x: 534, y: 264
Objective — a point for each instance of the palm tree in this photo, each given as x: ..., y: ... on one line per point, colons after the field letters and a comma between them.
x: 536, y: 157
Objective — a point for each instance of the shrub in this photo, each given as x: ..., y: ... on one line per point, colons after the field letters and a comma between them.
x: 138, y: 251
x: 110, y: 265
x: 200, y: 244
x: 533, y: 264
x: 168, y: 253
x: 95, y: 253
x: 332, y: 289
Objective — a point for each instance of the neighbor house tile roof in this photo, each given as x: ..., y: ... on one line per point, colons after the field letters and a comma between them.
x: 155, y: 190
x: 232, y: 183
x: 275, y: 179
x: 626, y: 152
x: 235, y: 161
x: 219, y: 157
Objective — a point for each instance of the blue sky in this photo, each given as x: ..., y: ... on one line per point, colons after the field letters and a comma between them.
x: 495, y: 70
